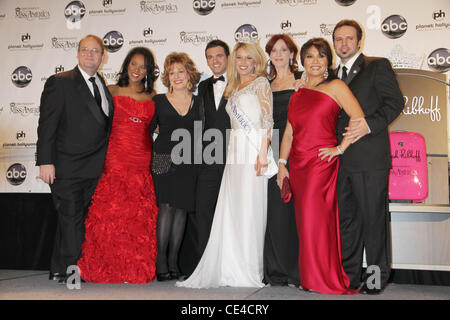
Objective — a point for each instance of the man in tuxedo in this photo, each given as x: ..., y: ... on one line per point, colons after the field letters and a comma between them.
x: 214, y: 116
x: 75, y: 118
x: 364, y: 167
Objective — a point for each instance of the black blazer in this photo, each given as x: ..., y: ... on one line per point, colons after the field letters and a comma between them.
x: 72, y: 132
x: 212, y: 117
x: 373, y: 82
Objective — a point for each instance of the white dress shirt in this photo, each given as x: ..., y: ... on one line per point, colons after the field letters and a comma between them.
x: 86, y: 77
x: 349, y: 65
x: 219, y: 88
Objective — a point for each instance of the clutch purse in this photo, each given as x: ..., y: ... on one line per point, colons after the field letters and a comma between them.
x: 161, y: 163
x: 286, y: 193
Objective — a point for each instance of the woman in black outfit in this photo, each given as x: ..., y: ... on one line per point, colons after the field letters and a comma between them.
x: 174, y: 181
x: 281, y: 241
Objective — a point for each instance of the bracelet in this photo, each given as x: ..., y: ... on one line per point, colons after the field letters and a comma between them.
x: 283, y: 161
x: 339, y: 149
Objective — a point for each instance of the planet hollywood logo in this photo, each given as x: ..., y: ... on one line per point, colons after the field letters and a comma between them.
x: 294, y: 3
x: 16, y: 174
x: 158, y: 6
x: 345, y: 3
x: 149, y: 38
x: 196, y: 37
x: 21, y: 77
x: 24, y: 109
x: 394, y: 26
x: 65, y: 43
x: 74, y: 11
x: 113, y: 41
x: 437, y: 16
x: 59, y: 69
x: 286, y: 28
x: 20, y: 135
x: 204, y: 7
x: 25, y: 44
x: 246, y: 33
x: 107, y: 9
x: 32, y: 13
x: 439, y: 60
x: 240, y: 4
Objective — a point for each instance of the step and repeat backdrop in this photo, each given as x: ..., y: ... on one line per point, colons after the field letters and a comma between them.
x: 40, y: 38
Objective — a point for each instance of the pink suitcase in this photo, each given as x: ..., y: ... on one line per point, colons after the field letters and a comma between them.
x: 408, y: 178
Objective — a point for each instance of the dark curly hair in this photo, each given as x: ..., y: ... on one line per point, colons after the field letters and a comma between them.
x: 149, y: 80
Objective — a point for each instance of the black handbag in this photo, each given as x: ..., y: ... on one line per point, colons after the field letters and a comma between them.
x: 161, y: 163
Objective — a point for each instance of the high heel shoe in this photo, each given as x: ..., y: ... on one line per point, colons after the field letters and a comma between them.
x: 163, y: 276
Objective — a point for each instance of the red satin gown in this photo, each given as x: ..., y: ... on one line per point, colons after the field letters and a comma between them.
x: 120, y: 243
x: 313, y: 116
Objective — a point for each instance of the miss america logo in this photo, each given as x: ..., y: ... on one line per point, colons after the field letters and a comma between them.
x: 158, y: 6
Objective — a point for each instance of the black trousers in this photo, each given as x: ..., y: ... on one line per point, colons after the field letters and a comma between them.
x: 71, y: 199
x: 364, y: 222
x: 208, y: 187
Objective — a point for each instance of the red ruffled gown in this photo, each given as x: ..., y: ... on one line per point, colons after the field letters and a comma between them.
x: 313, y: 116
x: 120, y: 243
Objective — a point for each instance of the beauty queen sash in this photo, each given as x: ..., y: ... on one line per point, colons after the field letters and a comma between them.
x: 251, y: 131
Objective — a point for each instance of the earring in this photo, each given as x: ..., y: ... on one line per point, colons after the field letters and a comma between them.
x: 189, y: 85
x: 290, y: 62
x: 170, y: 88
x: 325, y: 74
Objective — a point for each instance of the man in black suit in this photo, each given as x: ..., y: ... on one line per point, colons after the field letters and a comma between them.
x: 215, y: 120
x: 75, y: 119
x: 364, y: 167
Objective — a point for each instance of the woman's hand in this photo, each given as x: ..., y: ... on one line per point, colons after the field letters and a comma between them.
x: 328, y: 152
x: 282, y: 173
x: 261, y: 164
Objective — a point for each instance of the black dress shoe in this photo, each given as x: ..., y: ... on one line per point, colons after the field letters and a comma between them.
x: 163, y: 276
x: 365, y: 290
x: 177, y: 275
x: 56, y: 276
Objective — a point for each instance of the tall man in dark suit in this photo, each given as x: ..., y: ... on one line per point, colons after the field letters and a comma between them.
x: 75, y: 119
x: 214, y: 117
x: 364, y: 167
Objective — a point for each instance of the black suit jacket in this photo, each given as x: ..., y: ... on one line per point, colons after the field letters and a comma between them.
x: 72, y: 132
x: 373, y: 82
x: 212, y: 117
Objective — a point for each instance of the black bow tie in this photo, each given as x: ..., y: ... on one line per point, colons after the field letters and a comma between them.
x: 221, y: 78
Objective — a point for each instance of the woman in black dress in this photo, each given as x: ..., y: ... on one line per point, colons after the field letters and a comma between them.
x: 177, y: 110
x: 281, y: 241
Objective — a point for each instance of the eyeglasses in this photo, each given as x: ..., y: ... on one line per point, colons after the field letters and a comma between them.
x: 86, y: 51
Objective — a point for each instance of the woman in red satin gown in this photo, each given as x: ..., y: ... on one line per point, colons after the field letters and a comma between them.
x: 310, y: 142
x: 120, y: 243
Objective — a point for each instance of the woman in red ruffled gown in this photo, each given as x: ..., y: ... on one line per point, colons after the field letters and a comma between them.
x: 310, y: 142
x: 120, y: 243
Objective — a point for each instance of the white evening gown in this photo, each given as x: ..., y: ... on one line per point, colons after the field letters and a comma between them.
x: 234, y: 253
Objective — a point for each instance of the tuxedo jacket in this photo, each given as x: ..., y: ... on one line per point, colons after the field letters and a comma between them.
x: 213, y: 117
x: 373, y: 82
x: 72, y: 132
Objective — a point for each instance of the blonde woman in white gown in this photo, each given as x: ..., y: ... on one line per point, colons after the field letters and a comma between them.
x: 234, y: 253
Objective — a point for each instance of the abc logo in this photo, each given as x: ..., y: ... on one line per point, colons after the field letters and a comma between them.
x: 74, y: 11
x: 113, y: 41
x: 21, y: 77
x: 246, y: 32
x: 345, y: 3
x: 439, y: 60
x: 204, y: 7
x: 16, y: 174
x: 394, y: 26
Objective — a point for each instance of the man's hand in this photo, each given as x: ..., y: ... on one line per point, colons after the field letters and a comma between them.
x: 357, y: 129
x: 47, y: 173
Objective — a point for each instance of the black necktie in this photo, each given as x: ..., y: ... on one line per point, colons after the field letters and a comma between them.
x: 97, y: 96
x: 221, y: 78
x: 344, y: 73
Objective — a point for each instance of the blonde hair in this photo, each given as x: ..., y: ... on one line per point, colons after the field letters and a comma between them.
x: 256, y: 53
x: 183, y: 59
